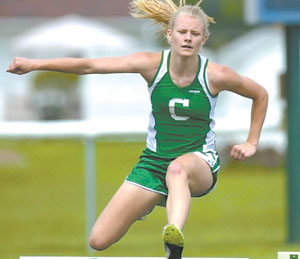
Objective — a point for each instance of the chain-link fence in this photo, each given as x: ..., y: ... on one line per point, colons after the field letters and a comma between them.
x: 42, y: 190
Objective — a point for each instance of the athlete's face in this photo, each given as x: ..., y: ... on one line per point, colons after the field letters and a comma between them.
x: 187, y: 36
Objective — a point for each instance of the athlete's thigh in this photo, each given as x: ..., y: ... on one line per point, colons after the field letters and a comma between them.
x: 128, y: 204
x: 200, y: 177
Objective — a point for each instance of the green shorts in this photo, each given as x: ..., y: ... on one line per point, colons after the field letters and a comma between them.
x: 150, y: 172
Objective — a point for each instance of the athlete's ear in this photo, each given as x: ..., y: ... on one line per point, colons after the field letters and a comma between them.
x: 169, y: 35
x: 204, y: 40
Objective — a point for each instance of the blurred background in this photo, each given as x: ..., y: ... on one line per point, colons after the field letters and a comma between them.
x: 67, y: 142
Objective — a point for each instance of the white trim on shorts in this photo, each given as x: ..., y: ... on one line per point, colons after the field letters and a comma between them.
x: 146, y: 188
x: 210, y: 159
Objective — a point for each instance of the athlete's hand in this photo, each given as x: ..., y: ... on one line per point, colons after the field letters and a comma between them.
x: 20, y: 66
x: 243, y: 151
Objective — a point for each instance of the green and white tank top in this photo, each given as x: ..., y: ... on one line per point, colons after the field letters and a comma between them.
x: 182, y: 118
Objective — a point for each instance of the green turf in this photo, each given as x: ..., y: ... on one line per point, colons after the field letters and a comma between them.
x: 43, y: 205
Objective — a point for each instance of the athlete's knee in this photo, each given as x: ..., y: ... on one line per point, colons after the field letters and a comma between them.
x: 175, y: 169
x: 99, y: 242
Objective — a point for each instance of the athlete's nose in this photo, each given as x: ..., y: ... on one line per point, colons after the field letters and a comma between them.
x: 188, y: 37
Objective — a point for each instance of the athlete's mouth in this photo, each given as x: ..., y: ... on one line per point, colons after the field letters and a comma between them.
x: 187, y: 47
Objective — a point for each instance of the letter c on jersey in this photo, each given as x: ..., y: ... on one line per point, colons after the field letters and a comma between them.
x: 172, y: 102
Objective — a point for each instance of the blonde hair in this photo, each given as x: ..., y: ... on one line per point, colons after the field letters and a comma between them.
x: 165, y: 12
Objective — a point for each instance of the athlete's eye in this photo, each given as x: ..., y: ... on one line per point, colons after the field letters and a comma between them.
x: 196, y: 33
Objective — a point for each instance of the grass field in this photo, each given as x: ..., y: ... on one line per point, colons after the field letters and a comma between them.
x: 43, y: 205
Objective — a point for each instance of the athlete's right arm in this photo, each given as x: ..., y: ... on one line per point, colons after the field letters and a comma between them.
x: 141, y: 62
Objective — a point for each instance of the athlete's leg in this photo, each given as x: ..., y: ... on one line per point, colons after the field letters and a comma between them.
x: 186, y: 176
x: 128, y: 204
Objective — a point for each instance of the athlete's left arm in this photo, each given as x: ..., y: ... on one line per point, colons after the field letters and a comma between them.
x: 223, y: 78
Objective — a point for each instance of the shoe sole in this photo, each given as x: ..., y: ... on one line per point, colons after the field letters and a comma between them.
x: 172, y: 235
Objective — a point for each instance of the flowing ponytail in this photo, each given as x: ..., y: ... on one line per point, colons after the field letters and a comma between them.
x: 165, y: 12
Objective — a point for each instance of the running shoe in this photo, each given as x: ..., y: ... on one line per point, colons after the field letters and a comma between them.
x: 174, y: 241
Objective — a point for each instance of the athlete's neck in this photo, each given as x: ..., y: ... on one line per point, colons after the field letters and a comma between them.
x: 183, y: 69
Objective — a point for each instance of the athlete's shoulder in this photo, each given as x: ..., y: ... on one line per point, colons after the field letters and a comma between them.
x: 221, y: 77
x: 142, y: 62
x: 147, y: 63
x: 147, y: 57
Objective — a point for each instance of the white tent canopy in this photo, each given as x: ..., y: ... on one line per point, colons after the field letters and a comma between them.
x: 259, y: 55
x: 72, y: 34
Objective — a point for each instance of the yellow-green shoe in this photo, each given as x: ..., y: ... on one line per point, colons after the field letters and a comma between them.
x: 174, y: 241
